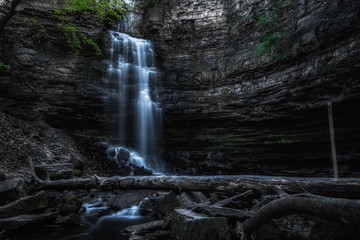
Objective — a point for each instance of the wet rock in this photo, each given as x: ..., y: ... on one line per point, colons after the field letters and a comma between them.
x: 188, y: 225
x: 141, y: 171
x: 144, y: 227
x: 55, y: 171
x: 71, y: 219
x: 123, y: 155
x: 71, y: 205
x: 25, y: 205
x: 229, y: 114
x: 191, y: 199
x: 11, y: 190
x: 24, y: 220
x: 127, y: 199
x: 166, y: 205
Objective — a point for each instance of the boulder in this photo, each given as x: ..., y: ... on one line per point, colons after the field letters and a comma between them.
x: 188, y: 225
x: 134, y: 229
x: 128, y: 199
x: 191, y: 199
x: 71, y: 219
x: 25, y: 205
x: 11, y: 190
x: 123, y: 155
x: 24, y: 220
x: 55, y: 171
x: 166, y: 205
x: 71, y: 205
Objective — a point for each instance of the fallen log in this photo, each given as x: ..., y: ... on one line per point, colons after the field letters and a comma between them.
x: 341, y: 210
x: 345, y: 188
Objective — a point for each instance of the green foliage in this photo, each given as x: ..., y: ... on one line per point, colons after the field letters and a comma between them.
x: 4, y: 66
x: 271, y: 45
x: 32, y: 33
x: 109, y: 11
x: 78, y: 39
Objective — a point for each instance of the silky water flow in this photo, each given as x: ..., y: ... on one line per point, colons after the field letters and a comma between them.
x: 134, y: 118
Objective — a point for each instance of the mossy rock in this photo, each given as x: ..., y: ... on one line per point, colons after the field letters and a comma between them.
x: 71, y: 219
x: 71, y: 205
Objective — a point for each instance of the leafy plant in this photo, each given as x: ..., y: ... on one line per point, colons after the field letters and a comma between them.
x: 272, y: 41
x: 109, y: 11
x: 4, y: 66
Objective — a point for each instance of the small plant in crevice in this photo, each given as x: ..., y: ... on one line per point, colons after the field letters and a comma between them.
x: 32, y: 33
x: 272, y: 42
x: 4, y: 66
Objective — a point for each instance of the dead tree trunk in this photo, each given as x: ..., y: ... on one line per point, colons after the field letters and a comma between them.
x: 345, y: 188
x: 334, y: 209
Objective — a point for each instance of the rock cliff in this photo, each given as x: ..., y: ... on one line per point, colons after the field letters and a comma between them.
x: 51, y: 99
x: 225, y: 112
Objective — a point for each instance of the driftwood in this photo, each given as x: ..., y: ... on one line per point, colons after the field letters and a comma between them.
x: 346, y: 211
x: 344, y: 188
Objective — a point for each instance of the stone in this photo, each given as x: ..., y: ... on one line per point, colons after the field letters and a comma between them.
x: 71, y: 219
x: 144, y: 227
x: 14, y: 223
x: 123, y: 155
x: 71, y: 205
x: 127, y: 199
x: 166, y: 205
x: 188, y: 225
x: 55, y: 171
x: 191, y: 199
x: 25, y: 205
x: 11, y: 190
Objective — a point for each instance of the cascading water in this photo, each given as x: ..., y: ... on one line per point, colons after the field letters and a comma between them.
x: 134, y: 118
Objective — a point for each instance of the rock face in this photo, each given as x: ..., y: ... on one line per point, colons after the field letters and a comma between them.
x: 225, y: 112
x: 51, y: 100
x: 55, y: 171
x: 187, y: 225
x: 11, y: 190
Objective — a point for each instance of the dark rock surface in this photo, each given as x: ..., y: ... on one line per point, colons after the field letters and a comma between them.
x: 224, y: 112
x: 55, y: 171
x: 51, y: 100
x: 186, y: 225
x: 25, y: 205
x: 23, y: 220
x: 11, y: 190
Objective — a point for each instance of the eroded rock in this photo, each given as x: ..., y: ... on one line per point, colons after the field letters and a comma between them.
x: 11, y: 190
x: 55, y: 171
x: 24, y: 220
x: 25, y: 205
x: 188, y: 225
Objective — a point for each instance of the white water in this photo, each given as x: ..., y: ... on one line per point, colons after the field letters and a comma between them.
x: 134, y: 118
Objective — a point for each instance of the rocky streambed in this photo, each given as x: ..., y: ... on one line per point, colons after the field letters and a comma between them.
x: 222, y: 207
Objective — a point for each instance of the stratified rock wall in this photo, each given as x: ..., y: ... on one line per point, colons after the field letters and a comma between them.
x: 51, y: 100
x: 225, y: 112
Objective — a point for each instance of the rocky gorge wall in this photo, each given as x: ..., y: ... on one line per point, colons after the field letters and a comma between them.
x: 225, y: 112
x: 51, y: 99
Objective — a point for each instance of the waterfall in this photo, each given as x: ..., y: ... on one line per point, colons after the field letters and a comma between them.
x: 132, y: 114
